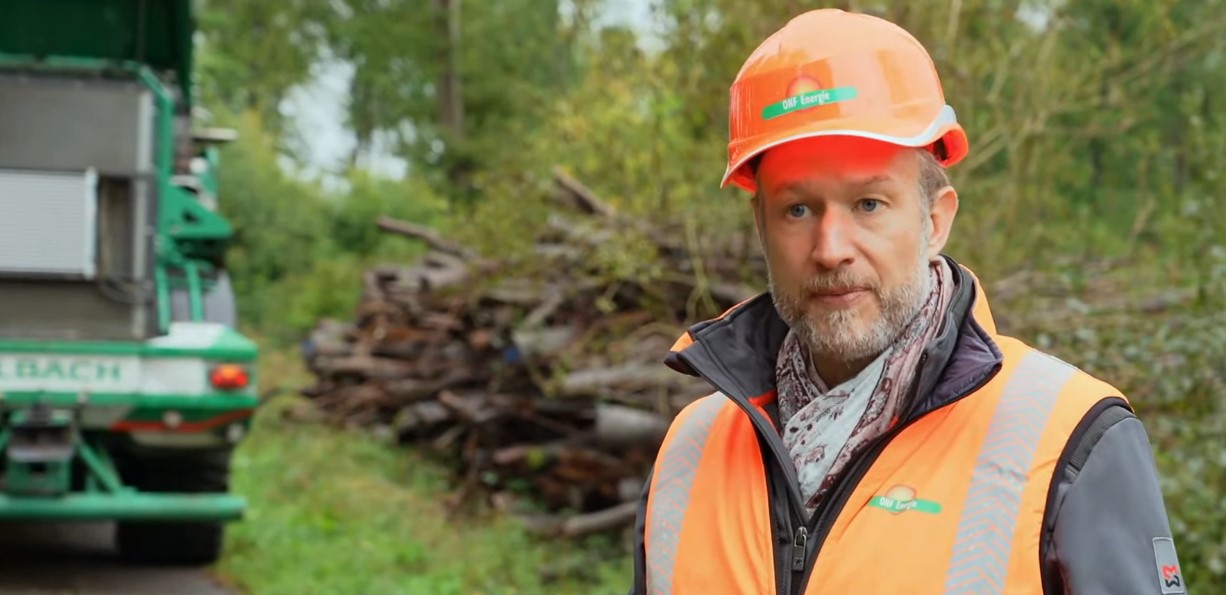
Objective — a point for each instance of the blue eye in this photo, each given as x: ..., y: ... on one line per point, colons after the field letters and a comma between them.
x: 870, y: 204
x: 798, y: 210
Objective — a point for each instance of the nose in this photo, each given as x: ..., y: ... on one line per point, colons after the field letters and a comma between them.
x: 833, y: 240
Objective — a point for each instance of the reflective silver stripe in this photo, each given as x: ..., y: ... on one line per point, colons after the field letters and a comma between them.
x: 985, y: 532
x: 670, y: 496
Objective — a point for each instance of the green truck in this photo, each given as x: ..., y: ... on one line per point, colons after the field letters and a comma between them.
x: 124, y: 383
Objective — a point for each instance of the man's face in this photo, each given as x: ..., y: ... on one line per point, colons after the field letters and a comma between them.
x: 847, y: 241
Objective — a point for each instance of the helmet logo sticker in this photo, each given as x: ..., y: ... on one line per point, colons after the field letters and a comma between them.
x: 805, y: 92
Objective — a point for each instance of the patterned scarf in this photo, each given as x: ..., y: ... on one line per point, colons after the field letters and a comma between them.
x: 824, y: 428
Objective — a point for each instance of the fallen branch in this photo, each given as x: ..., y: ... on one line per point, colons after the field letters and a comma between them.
x: 425, y: 234
x: 585, y: 524
x: 581, y: 196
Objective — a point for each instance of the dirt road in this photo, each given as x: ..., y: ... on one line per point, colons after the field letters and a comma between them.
x: 70, y: 559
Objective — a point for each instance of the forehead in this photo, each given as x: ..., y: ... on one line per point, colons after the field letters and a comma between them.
x: 836, y: 161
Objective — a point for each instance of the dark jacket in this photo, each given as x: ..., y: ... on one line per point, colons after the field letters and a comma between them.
x: 1106, y: 518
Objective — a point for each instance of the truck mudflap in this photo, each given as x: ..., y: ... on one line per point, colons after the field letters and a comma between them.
x: 40, y: 445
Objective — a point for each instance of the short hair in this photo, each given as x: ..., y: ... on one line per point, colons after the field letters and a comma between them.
x: 932, y: 178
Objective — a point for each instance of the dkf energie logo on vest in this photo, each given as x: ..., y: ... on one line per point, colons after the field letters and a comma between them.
x: 805, y: 92
x: 901, y: 498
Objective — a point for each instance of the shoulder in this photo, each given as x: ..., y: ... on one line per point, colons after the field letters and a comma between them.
x: 1082, y: 407
x: 1103, y: 405
x: 1088, y: 434
x: 1070, y: 389
x: 695, y: 420
x: 1097, y: 422
x: 702, y: 409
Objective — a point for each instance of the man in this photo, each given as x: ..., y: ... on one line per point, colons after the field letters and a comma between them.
x: 872, y: 432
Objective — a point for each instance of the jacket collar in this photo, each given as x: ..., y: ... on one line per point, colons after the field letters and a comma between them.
x: 736, y: 352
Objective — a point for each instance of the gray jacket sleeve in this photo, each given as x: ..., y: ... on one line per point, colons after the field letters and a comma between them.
x: 1110, y: 532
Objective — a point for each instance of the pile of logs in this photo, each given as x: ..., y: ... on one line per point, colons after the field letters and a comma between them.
x: 547, y: 384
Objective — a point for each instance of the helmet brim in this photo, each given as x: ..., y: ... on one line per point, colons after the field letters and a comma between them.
x: 943, y: 128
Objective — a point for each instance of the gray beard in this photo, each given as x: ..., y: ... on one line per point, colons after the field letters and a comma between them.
x: 841, y: 335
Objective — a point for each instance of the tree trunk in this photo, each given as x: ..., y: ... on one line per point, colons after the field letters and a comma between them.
x: 450, y: 100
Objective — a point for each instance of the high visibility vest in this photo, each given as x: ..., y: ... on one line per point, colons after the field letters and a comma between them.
x: 953, y: 504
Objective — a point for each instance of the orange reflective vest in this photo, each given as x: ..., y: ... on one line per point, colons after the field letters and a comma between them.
x: 952, y: 502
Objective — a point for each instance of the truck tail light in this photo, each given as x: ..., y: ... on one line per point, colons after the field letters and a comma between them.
x: 229, y: 377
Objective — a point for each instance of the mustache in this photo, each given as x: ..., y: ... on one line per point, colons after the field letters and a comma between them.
x: 837, y: 281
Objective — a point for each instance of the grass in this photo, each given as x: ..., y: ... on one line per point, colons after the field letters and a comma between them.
x: 341, y: 512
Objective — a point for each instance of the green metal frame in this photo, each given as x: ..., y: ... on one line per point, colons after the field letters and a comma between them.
x: 209, y: 404
x: 230, y: 346
x: 126, y: 505
x: 107, y: 498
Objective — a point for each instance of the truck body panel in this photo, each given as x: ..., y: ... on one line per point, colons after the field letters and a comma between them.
x: 124, y: 382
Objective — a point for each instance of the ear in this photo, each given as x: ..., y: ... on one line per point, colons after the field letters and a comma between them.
x: 941, y: 220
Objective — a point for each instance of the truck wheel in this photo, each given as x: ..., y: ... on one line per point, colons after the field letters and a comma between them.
x: 195, y: 544
x: 175, y: 542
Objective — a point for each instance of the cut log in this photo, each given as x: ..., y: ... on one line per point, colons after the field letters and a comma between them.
x: 366, y: 366
x: 619, y: 427
x: 405, y: 391
x: 586, y: 524
x: 543, y: 344
x: 601, y: 382
x: 420, y: 419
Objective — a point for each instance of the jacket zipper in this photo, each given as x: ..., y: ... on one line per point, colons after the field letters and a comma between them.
x: 808, y: 535
x: 795, y: 514
x: 803, y: 549
x: 785, y: 522
x: 821, y: 524
x: 781, y: 458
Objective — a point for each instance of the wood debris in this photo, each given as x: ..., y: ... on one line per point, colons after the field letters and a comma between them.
x: 548, y: 384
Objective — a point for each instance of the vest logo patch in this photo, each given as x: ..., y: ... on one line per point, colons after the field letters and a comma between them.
x: 1170, y: 578
x: 901, y: 498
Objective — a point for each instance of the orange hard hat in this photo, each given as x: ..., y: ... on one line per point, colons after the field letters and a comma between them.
x: 829, y: 72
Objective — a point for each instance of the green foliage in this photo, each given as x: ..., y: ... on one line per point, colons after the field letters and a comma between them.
x: 252, y: 53
x: 299, y: 252
x: 280, y: 224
